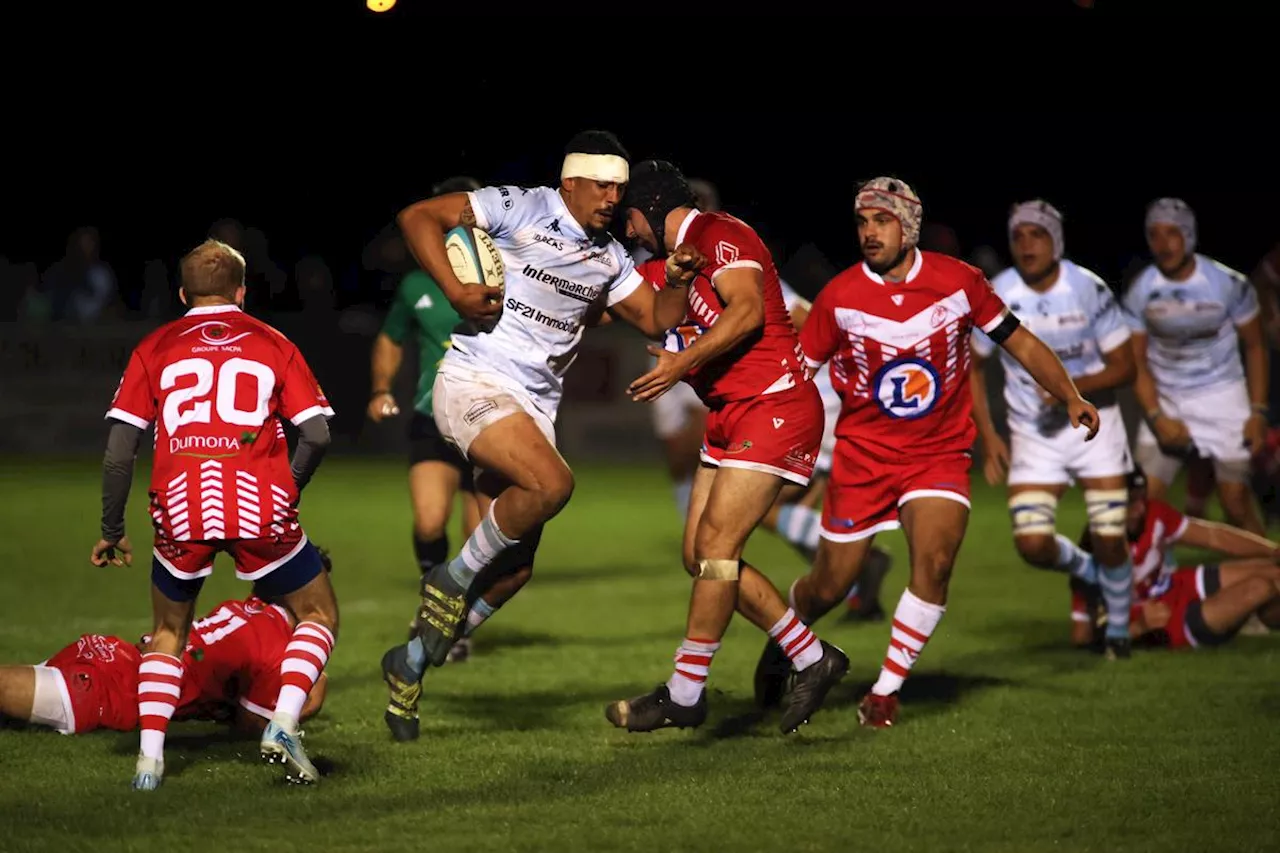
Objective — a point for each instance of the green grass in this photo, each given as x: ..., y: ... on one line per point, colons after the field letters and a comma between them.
x: 1007, y: 740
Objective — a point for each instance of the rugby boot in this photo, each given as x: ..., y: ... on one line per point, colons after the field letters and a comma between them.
x: 810, y: 687
x: 655, y: 710
x: 772, y: 674
x: 440, y: 618
x: 1118, y: 648
x: 878, y: 712
x: 401, y: 715
x: 148, y: 773
x: 461, y: 651
x: 281, y: 746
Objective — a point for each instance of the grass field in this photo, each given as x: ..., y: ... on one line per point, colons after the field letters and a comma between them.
x: 1007, y: 741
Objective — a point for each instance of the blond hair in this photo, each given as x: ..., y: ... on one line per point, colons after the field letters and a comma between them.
x: 212, y: 269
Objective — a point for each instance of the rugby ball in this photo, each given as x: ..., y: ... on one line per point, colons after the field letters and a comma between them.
x: 474, y: 258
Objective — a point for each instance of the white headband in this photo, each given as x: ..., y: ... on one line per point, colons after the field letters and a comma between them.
x: 597, y: 167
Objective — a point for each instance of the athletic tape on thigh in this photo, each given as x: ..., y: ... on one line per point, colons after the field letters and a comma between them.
x: 1034, y: 513
x: 718, y: 570
x: 1107, y: 510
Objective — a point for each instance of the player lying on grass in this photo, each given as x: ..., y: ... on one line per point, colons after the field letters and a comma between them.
x: 231, y: 674
x: 1184, y: 607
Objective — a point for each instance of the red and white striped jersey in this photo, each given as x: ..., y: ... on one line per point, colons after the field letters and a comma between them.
x: 899, y: 354
x: 216, y: 384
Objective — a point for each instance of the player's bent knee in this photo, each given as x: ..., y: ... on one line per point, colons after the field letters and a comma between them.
x: 1107, y: 509
x: 1040, y: 549
x: 1034, y: 513
x: 719, y: 570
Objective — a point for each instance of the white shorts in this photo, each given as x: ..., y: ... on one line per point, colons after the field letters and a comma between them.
x: 464, y: 404
x: 671, y: 411
x: 1215, y: 418
x: 831, y: 413
x: 51, y: 704
x: 1066, y: 457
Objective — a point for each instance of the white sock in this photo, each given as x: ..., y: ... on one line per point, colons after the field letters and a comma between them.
x: 797, y: 641
x: 913, y: 623
x: 481, y: 548
x: 693, y: 665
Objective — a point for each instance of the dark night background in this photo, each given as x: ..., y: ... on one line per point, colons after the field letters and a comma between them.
x: 313, y: 139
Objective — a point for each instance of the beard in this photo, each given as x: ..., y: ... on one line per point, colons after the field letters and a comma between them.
x: 882, y: 268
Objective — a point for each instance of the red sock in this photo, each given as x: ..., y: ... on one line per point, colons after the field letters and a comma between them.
x: 159, y: 687
x: 305, y: 658
x: 693, y: 664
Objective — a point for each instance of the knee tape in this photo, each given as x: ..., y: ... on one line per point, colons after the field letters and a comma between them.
x: 1034, y: 513
x: 718, y: 570
x: 1108, y: 510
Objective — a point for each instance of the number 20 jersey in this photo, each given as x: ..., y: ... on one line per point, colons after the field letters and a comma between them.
x: 899, y: 354
x: 216, y: 383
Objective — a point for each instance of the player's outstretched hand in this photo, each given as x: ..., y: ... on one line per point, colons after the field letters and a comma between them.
x: 1083, y: 414
x: 117, y: 554
x: 666, y: 373
x: 683, y: 264
x: 478, y: 303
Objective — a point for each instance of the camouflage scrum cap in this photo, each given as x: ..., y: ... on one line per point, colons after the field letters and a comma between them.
x: 1175, y: 212
x: 1039, y: 212
x: 896, y: 198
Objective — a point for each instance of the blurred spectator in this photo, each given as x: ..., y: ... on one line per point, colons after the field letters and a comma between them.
x: 156, y: 299
x: 266, y: 282
x: 315, y: 286
x: 35, y: 306
x: 936, y: 237
x: 80, y: 285
x: 705, y: 194
x: 987, y: 259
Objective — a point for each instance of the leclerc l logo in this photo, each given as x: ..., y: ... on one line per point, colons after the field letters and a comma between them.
x: 906, y: 388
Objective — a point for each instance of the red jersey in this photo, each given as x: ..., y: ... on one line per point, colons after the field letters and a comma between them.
x: 765, y: 362
x: 233, y: 657
x: 899, y: 354
x: 1163, y: 526
x: 216, y: 383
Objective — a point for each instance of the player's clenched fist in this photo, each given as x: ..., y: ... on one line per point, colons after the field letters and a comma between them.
x: 1084, y: 414
x: 477, y: 303
x: 683, y: 264
x: 117, y: 553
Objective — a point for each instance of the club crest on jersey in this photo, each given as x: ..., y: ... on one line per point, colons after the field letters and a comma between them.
x: 907, y: 388
x: 215, y: 333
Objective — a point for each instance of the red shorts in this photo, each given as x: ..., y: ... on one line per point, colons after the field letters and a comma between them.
x: 777, y: 433
x: 101, y: 675
x: 863, y: 495
x: 254, y: 558
x: 1182, y: 591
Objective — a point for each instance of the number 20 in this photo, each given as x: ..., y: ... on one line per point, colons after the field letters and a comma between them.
x: 225, y: 398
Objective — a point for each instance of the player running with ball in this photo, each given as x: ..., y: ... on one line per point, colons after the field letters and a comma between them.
x: 497, y: 392
x: 896, y: 330
x: 739, y: 351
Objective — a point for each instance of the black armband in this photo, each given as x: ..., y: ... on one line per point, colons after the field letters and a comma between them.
x: 1007, y: 327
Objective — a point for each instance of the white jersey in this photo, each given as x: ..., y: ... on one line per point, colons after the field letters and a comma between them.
x: 554, y: 274
x: 1191, y: 325
x: 1078, y: 318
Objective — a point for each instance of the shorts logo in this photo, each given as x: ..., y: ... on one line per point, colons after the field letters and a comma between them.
x: 479, y: 410
x: 739, y: 448
x: 777, y: 422
x: 844, y: 523
x: 906, y: 388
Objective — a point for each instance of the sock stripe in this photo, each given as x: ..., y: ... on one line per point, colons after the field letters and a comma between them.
x: 910, y: 632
